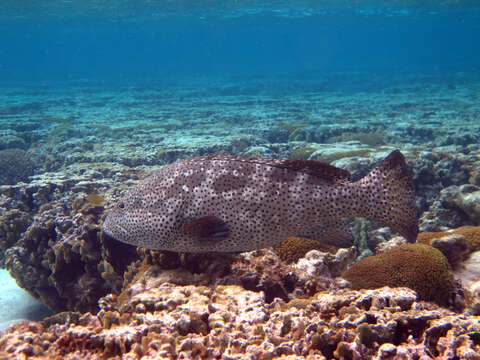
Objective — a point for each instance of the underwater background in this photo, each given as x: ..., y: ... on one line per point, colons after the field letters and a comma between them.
x: 158, y: 40
x: 95, y: 95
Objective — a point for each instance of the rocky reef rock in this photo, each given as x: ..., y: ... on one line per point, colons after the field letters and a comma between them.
x: 229, y: 322
x: 455, y: 244
x: 456, y: 206
x: 324, y: 264
x: 469, y: 276
x: 438, y: 177
x: 469, y: 272
x: 466, y: 198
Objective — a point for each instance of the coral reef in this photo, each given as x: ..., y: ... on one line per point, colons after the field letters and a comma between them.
x: 160, y: 304
x: 15, y: 166
x: 417, y: 266
x: 229, y: 322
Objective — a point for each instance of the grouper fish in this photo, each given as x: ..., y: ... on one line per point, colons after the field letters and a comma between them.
x: 232, y: 204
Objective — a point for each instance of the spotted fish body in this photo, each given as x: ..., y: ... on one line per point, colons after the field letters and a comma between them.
x: 230, y: 204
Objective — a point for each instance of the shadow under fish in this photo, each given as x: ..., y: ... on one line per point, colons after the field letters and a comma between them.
x: 232, y: 204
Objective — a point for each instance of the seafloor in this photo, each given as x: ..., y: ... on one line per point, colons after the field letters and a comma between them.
x: 63, y: 143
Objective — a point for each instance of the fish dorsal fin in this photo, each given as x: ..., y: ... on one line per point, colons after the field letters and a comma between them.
x: 320, y: 170
x: 316, y: 168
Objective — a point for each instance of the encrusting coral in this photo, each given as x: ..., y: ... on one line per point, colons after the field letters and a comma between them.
x: 417, y: 266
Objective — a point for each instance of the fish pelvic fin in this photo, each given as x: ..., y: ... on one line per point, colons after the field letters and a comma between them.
x: 390, y: 196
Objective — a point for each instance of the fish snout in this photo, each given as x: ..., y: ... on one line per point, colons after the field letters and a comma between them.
x: 112, y: 227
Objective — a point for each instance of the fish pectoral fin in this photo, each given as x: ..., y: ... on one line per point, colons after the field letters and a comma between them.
x: 206, y: 228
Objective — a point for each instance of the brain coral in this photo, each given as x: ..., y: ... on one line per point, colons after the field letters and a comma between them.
x: 15, y: 166
x: 417, y: 266
x: 294, y: 248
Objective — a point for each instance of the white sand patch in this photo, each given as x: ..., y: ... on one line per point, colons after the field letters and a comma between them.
x: 16, y: 304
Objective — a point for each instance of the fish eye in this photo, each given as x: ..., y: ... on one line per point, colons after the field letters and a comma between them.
x: 121, y: 205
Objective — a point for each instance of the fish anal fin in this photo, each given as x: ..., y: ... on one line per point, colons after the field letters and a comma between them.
x: 206, y: 228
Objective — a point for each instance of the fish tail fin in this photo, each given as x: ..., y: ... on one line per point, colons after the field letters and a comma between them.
x: 390, y: 196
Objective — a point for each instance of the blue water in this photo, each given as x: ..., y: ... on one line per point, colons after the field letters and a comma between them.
x: 161, y: 39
